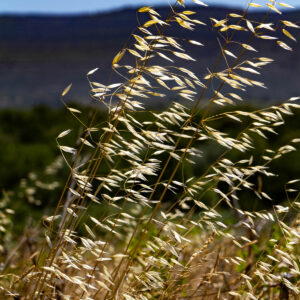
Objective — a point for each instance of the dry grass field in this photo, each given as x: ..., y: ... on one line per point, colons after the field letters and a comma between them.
x: 167, y: 204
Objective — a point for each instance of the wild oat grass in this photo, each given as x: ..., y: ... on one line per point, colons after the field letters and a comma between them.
x: 129, y: 223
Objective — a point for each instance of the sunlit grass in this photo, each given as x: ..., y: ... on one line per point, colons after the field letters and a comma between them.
x: 132, y: 222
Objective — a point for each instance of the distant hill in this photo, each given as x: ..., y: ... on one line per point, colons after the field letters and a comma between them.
x: 40, y: 55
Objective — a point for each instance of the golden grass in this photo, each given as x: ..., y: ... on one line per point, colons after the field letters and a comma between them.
x: 129, y: 224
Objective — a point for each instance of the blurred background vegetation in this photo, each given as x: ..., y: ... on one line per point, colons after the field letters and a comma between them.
x: 28, y: 150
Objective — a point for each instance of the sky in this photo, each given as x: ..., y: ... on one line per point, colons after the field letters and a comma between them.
x: 92, y: 6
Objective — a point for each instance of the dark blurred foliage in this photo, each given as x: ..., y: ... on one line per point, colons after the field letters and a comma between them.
x: 27, y: 139
x: 28, y: 146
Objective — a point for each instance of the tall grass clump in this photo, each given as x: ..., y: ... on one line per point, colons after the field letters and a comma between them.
x: 146, y: 212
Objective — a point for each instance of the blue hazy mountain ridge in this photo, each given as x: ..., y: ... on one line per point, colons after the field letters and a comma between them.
x: 40, y: 55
